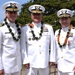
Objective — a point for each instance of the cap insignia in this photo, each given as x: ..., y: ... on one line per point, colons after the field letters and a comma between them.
x: 13, y: 5
x: 64, y: 11
x: 37, y: 7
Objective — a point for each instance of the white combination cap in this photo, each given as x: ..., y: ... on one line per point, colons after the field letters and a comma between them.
x: 36, y: 8
x: 64, y: 13
x: 11, y: 6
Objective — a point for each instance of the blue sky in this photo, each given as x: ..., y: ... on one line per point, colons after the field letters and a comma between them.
x: 2, y: 12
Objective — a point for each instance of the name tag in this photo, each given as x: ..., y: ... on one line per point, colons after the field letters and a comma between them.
x: 7, y: 32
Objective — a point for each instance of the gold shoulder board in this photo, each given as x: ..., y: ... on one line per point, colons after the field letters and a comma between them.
x: 0, y: 24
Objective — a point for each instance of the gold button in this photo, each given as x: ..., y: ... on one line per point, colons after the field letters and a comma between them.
x: 62, y: 57
x: 39, y: 45
x: 40, y: 52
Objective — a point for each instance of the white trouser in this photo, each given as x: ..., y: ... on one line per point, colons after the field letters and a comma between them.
x: 65, y: 73
x: 15, y: 73
x: 37, y: 71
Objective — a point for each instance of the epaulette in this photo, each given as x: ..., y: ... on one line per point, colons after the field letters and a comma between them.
x: 27, y: 24
x: 1, y: 24
x: 49, y: 24
x: 23, y: 25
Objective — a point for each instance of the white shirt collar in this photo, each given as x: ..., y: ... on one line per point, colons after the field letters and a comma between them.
x: 37, y: 24
x: 65, y: 28
x: 11, y: 24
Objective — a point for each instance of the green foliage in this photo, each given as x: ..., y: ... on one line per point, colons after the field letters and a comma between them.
x: 50, y: 16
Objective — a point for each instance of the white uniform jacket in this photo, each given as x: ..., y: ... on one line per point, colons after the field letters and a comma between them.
x: 66, y: 55
x: 36, y: 52
x: 10, y: 54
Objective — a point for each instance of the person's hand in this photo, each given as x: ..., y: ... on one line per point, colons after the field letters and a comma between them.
x: 1, y: 72
x: 52, y: 64
x: 74, y: 68
x: 27, y: 66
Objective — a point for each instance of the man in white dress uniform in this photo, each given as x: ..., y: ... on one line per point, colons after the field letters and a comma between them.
x: 37, y: 38
x: 65, y: 37
x: 10, y: 32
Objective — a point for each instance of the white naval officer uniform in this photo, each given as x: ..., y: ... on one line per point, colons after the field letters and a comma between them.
x: 10, y: 54
x: 36, y: 52
x: 66, y: 55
